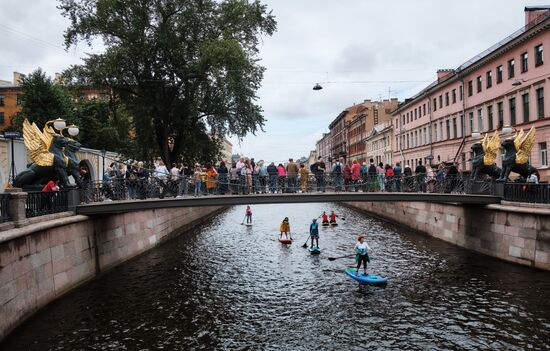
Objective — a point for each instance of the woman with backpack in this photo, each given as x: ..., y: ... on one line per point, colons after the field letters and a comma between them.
x: 389, y: 177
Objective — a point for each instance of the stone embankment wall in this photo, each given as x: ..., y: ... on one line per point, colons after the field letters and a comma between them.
x: 510, y: 232
x: 42, y: 261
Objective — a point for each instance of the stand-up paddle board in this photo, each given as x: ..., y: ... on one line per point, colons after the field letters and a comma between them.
x: 248, y: 224
x: 285, y: 241
x: 366, y: 278
x: 333, y: 223
x: 314, y: 250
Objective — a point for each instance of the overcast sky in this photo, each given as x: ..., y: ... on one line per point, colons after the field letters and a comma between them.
x: 364, y: 49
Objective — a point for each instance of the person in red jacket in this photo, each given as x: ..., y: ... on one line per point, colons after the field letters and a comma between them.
x: 333, y: 217
x: 51, y: 186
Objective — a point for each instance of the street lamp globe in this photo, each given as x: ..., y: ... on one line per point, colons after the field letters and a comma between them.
x: 73, y: 130
x: 507, y: 130
x: 476, y: 135
x: 59, y: 124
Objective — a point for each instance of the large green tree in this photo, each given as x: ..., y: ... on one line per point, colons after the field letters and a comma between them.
x: 185, y: 69
x: 42, y: 100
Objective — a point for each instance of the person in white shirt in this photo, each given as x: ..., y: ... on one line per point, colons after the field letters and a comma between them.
x: 362, y: 254
x: 533, y: 179
x: 161, y: 171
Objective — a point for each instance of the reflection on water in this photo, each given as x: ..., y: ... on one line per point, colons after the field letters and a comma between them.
x: 226, y: 286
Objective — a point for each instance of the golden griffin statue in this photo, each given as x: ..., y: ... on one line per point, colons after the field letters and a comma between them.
x: 484, y: 156
x: 516, y: 155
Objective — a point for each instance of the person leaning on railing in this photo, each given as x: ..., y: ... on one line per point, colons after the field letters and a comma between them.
x: 273, y: 175
x: 337, y: 174
x: 262, y: 175
x: 282, y: 178
x: 223, y: 179
x: 397, y: 176
x: 292, y: 175
x: 304, y: 175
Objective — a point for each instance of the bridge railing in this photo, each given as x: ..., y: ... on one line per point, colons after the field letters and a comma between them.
x: 527, y: 192
x: 43, y: 203
x: 4, y: 208
x: 159, y: 187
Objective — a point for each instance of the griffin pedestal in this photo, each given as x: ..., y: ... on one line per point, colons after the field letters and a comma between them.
x: 17, y: 206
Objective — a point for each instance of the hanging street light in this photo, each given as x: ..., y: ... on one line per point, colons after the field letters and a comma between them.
x: 317, y: 86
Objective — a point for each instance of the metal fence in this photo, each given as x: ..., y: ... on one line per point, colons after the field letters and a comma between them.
x: 154, y: 187
x: 527, y: 192
x: 43, y: 203
x: 4, y: 208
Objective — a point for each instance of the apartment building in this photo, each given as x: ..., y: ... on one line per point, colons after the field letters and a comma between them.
x: 506, y: 85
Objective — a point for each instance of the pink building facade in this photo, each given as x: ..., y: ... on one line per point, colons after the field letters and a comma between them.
x: 506, y: 85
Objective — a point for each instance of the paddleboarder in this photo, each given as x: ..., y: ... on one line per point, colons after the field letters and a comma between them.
x: 333, y: 217
x: 324, y: 216
x: 361, y: 254
x: 248, y: 215
x: 285, y: 228
x: 314, y: 232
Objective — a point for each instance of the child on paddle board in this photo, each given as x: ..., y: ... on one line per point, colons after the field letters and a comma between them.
x: 325, y: 218
x: 314, y: 232
x: 285, y: 228
x: 361, y: 254
x: 332, y: 217
x: 248, y: 214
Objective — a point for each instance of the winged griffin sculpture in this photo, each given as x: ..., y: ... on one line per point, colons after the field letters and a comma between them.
x: 485, y: 154
x: 45, y: 149
x: 516, y: 155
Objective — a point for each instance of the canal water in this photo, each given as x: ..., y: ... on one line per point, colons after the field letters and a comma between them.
x: 225, y: 286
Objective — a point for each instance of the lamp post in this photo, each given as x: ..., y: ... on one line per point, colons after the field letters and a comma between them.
x: 103, y: 152
x: 12, y: 136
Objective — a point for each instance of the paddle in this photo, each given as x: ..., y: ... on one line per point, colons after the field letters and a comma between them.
x: 305, y: 244
x: 335, y: 258
x: 242, y: 223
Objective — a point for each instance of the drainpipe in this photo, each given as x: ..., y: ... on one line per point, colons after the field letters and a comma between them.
x: 430, y: 131
x: 463, y: 126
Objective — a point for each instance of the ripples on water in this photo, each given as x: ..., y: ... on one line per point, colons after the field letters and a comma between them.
x: 225, y: 286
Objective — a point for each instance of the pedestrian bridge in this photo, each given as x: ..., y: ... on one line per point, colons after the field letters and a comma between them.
x: 121, y: 206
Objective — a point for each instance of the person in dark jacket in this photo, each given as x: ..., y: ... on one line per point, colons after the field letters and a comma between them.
x: 372, y: 176
x: 273, y: 176
x: 420, y: 172
x: 397, y: 176
x: 223, y: 179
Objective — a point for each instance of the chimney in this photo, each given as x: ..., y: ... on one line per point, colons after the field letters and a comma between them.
x: 17, y: 77
x: 535, y: 14
x: 444, y: 74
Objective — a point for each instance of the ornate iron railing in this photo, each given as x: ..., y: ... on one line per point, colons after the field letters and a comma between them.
x: 154, y: 187
x: 4, y: 208
x: 527, y: 192
x: 43, y: 203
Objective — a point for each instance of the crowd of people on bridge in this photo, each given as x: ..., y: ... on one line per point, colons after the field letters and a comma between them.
x: 246, y: 176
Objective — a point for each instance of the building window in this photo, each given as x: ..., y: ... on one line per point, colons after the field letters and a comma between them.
x: 470, y: 88
x: 1, y: 100
x: 499, y: 74
x: 435, y: 133
x: 489, y: 76
x: 525, y: 103
x: 540, y: 103
x: 18, y: 99
x: 415, y: 114
x: 511, y: 64
x: 424, y: 109
x: 435, y: 105
x: 407, y: 117
x: 461, y: 91
x: 479, y: 84
x: 500, y: 108
x: 453, y: 95
x: 441, y: 130
x: 480, y: 120
x: 448, y: 129
x: 543, y: 154
x: 512, y: 103
x: 539, y: 59
x: 471, y: 118
x: 425, y: 137
x: 407, y: 141
x: 455, y: 132
x: 415, y: 138
x: 524, y: 59
x: 1, y: 117
x: 440, y: 101
x: 490, y: 116
x: 462, y: 125
x: 447, y: 99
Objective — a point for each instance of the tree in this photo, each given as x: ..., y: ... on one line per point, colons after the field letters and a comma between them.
x: 185, y: 69
x: 42, y: 100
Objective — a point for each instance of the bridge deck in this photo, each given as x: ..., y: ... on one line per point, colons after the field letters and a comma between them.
x: 228, y: 200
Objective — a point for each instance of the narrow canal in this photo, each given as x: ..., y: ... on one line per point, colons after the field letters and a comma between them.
x: 225, y: 286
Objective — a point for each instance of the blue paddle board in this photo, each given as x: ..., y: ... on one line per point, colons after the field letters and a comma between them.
x: 314, y: 250
x: 367, y: 279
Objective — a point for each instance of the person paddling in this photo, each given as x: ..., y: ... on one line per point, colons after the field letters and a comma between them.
x: 314, y: 232
x: 361, y: 254
x: 325, y: 218
x: 248, y: 215
x: 285, y: 228
x: 333, y: 217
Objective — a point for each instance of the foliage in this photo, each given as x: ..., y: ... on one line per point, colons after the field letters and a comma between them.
x: 185, y: 69
x: 42, y: 100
